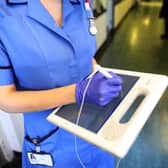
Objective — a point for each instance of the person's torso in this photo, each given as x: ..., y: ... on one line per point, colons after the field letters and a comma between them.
x: 43, y: 55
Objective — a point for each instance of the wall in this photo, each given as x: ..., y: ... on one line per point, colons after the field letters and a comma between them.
x: 121, y: 10
x: 101, y: 27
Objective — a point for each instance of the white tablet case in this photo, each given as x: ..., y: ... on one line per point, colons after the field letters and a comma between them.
x: 114, y: 136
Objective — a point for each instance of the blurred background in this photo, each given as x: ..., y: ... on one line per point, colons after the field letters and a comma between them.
x: 130, y: 37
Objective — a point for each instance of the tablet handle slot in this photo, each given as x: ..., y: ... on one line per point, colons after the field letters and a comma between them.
x: 132, y: 109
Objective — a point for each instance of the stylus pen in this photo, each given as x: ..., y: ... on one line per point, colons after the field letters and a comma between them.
x: 102, y: 71
x: 106, y: 74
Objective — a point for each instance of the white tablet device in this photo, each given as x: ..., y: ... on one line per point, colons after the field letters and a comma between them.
x: 114, y: 127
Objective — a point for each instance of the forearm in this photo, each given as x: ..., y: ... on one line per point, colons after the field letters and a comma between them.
x: 29, y: 101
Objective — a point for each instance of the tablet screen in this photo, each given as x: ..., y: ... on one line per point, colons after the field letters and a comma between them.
x: 93, y: 116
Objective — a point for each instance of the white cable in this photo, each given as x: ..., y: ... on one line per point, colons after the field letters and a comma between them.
x: 78, y: 118
x: 118, y: 163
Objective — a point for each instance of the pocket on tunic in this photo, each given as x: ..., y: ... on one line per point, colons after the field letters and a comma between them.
x: 44, y: 146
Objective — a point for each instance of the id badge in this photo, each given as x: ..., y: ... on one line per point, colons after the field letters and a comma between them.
x: 40, y: 159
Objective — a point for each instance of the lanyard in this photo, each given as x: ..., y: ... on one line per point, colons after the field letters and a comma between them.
x: 92, y: 27
x: 88, y: 9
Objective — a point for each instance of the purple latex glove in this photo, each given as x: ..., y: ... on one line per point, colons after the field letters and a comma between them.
x: 101, y: 89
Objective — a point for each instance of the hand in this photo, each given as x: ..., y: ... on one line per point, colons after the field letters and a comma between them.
x: 101, y: 90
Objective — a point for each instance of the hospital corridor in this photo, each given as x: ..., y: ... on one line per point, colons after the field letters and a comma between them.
x: 137, y: 46
x: 129, y: 38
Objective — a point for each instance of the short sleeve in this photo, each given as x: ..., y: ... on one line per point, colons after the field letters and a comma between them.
x: 6, y: 70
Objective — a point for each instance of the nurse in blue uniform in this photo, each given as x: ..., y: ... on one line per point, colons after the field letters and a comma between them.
x: 46, y: 54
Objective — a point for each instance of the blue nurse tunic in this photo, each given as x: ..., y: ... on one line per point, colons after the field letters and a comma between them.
x: 36, y: 54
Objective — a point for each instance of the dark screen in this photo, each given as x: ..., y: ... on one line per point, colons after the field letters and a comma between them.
x: 93, y: 116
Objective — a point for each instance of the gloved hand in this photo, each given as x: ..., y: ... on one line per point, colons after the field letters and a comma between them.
x: 101, y: 89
